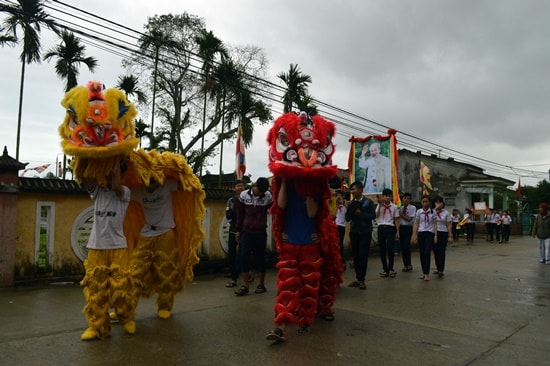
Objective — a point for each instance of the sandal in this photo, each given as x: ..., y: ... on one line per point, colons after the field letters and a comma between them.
x: 392, y: 273
x: 231, y: 284
x: 260, y: 289
x: 242, y: 291
x: 383, y: 274
x: 275, y: 335
x: 328, y: 317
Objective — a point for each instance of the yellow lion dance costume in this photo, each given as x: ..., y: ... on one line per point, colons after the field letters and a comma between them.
x: 98, y: 131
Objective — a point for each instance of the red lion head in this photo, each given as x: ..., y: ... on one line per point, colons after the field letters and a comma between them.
x: 301, y: 146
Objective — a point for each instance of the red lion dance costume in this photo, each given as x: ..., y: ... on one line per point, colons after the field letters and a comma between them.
x: 310, y: 271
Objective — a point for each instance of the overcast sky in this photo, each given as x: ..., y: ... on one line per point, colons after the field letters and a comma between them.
x: 471, y: 76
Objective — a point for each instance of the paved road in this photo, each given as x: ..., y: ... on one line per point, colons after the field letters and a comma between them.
x: 491, y: 308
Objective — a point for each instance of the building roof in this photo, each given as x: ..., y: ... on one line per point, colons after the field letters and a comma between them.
x: 9, y: 163
x: 64, y: 186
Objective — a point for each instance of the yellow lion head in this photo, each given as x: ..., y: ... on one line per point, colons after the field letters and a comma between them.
x: 97, y: 130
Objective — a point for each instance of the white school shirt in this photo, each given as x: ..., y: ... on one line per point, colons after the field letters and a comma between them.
x: 341, y: 215
x: 456, y: 218
x: 506, y: 219
x: 387, y: 215
x: 409, y: 211
x: 442, y: 218
x: 425, y: 220
x: 109, y: 212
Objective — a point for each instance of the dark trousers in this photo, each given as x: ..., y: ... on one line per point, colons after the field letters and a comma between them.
x: 455, y: 230
x: 232, y: 256
x: 405, y: 234
x: 360, y: 246
x: 439, y: 250
x: 470, y: 231
x: 425, y: 245
x: 498, y: 229
x: 506, y: 232
x: 254, y: 243
x: 341, y: 236
x: 386, y: 240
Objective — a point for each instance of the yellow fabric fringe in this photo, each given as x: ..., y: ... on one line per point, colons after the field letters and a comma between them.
x: 107, y: 284
x: 187, y: 201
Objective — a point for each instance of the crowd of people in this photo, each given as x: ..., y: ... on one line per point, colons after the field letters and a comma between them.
x: 431, y: 227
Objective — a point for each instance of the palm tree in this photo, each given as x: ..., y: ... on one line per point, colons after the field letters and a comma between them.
x: 70, y: 54
x: 242, y: 110
x: 296, y: 86
x: 129, y: 85
x: 155, y: 39
x: 228, y: 82
x: 209, y: 47
x: 140, y: 130
x: 306, y: 105
x: 29, y: 16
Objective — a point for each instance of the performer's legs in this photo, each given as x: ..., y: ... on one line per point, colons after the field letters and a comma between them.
x: 167, y: 272
x: 309, y: 267
x: 288, y: 285
x: 96, y: 292
x: 331, y: 277
x: 122, y: 290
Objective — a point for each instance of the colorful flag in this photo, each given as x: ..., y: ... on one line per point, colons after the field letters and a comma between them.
x: 240, y: 159
x: 518, y: 192
x: 425, y: 178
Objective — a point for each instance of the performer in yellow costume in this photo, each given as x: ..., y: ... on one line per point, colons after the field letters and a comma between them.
x: 98, y: 131
x: 163, y: 225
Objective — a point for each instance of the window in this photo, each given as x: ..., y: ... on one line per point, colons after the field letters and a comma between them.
x: 44, y: 234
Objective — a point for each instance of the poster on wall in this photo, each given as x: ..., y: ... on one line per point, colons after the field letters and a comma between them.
x: 373, y: 161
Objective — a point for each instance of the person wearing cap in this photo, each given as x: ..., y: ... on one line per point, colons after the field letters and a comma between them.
x: 541, y: 230
x: 252, y: 209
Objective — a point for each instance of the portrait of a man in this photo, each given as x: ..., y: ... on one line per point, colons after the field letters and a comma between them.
x: 377, y: 168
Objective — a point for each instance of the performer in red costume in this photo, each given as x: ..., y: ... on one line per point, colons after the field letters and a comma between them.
x: 310, y: 266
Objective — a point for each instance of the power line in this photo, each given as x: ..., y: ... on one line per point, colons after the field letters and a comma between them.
x: 123, y: 43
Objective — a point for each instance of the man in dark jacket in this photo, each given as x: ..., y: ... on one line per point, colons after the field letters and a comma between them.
x: 360, y: 214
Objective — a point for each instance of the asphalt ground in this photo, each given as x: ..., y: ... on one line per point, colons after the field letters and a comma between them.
x: 492, y: 307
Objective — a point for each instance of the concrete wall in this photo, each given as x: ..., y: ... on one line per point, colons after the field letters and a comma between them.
x: 67, y: 208
x: 65, y: 262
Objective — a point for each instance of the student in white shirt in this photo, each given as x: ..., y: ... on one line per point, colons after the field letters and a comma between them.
x: 425, y: 234
x: 387, y: 217
x: 444, y: 222
x: 407, y: 214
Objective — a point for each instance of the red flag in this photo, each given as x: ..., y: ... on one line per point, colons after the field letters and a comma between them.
x: 240, y: 159
x: 518, y: 192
